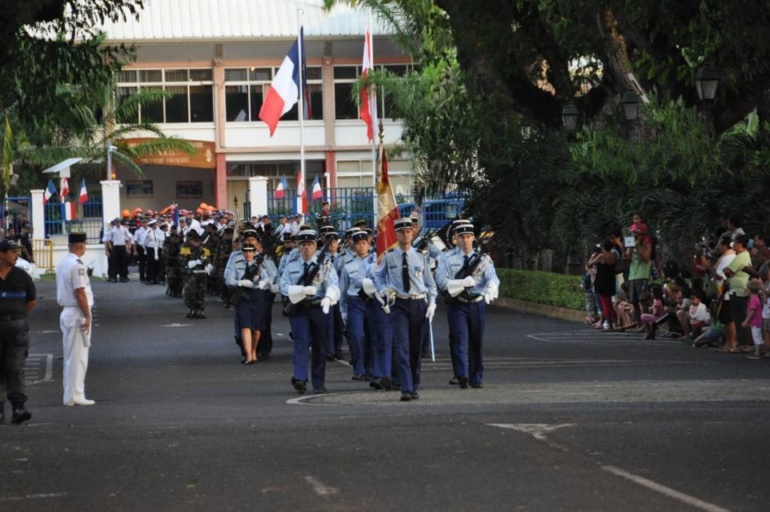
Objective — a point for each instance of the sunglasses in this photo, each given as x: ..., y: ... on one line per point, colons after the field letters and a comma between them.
x: 249, y: 250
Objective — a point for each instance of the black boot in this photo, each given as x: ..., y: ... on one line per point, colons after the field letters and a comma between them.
x: 20, y: 415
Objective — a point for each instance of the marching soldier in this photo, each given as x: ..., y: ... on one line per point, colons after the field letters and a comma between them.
x: 221, y: 257
x: 312, y: 287
x: 404, y: 274
x: 171, y: 249
x: 195, y: 259
x: 357, y: 307
x: 468, y: 278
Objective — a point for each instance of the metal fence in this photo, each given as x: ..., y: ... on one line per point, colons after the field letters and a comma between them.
x: 86, y: 219
x: 350, y: 205
x: 15, y: 212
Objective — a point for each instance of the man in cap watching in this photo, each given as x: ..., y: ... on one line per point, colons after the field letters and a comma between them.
x: 73, y: 293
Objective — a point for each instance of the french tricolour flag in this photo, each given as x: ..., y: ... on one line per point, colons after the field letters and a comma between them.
x: 83, y: 195
x: 64, y: 189
x: 285, y: 90
x: 280, y: 190
x: 317, y: 192
x: 50, y: 191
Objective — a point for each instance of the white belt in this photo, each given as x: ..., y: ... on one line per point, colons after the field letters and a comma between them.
x: 411, y: 297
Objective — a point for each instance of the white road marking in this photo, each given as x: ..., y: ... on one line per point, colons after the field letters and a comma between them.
x: 176, y: 325
x: 536, y: 430
x: 667, y: 491
x: 539, y: 430
x: 319, y: 488
x: 300, y: 400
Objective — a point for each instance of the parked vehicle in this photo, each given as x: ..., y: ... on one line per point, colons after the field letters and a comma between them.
x: 436, y: 213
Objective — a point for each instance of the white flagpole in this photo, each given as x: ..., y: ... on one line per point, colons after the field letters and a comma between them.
x: 301, y: 110
x: 375, y: 133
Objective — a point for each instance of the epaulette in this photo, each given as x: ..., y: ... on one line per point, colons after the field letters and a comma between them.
x: 185, y: 251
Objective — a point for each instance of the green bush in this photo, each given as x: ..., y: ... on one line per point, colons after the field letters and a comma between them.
x: 542, y: 288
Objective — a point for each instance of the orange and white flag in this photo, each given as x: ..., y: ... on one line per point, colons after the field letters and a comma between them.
x: 387, y: 209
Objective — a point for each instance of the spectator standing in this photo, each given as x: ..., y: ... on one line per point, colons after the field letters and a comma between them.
x: 754, y: 316
x: 604, y: 281
x: 74, y: 295
x: 17, y: 298
x: 738, y: 278
x: 639, y: 270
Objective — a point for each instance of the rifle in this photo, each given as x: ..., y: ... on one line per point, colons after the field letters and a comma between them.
x: 243, y: 293
x: 306, y: 279
x: 468, y: 270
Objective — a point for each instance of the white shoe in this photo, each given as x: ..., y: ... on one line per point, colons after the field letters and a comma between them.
x: 81, y: 401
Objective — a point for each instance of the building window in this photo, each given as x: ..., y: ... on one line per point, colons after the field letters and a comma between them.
x: 192, y: 100
x: 246, y: 89
x: 139, y: 188
x: 189, y: 189
x: 345, y: 105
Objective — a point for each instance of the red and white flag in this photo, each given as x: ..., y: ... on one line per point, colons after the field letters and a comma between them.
x: 284, y: 90
x: 367, y: 107
x: 387, y: 208
x: 70, y: 210
x: 64, y: 189
x: 317, y: 192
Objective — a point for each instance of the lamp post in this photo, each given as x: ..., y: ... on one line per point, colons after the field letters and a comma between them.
x: 706, y: 82
x: 630, y: 104
x: 110, y: 150
x: 569, y: 116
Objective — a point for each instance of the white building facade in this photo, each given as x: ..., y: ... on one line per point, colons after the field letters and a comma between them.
x: 218, y: 58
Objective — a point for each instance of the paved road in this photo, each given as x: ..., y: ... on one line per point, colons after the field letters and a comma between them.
x: 570, y: 419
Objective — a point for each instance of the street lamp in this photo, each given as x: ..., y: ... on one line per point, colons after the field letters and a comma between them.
x: 569, y: 116
x: 110, y: 150
x: 706, y: 82
x: 630, y: 105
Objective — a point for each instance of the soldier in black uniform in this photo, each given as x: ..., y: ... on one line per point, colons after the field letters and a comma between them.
x: 174, y: 272
x: 196, y: 263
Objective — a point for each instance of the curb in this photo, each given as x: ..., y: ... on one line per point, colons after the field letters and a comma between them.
x: 534, y: 308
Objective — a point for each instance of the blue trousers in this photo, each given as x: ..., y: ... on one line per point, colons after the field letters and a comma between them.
x: 334, y: 329
x: 466, y: 327
x: 382, y: 346
x: 408, y: 318
x: 308, y: 325
x: 361, y: 318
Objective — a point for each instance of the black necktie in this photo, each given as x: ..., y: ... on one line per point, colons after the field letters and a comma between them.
x: 405, y: 273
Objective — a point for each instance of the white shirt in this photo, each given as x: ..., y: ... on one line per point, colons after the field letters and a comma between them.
x: 139, y: 235
x: 119, y: 235
x: 699, y: 313
x: 71, y: 274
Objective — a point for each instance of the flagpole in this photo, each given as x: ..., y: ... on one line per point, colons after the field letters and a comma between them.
x: 301, y: 111
x: 374, y: 138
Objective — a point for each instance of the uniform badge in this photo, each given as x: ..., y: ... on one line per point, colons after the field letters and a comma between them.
x: 81, y: 271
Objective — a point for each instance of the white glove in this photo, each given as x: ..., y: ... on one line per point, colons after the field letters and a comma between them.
x: 326, y: 303
x: 430, y: 312
x: 490, y: 293
x: 245, y: 283
x: 264, y: 284
x: 469, y: 282
x: 192, y: 264
x: 309, y: 290
x: 274, y: 288
x: 157, y: 254
x: 209, y: 269
x: 368, y: 287
x: 455, y: 287
x: 296, y: 293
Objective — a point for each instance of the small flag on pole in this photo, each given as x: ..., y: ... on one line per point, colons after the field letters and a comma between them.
x: 317, y: 192
x: 50, y: 191
x: 280, y: 190
x: 64, y: 189
x: 301, y: 193
x: 387, y: 209
x: 83, y: 196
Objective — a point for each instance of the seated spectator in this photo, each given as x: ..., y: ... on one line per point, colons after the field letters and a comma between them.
x: 624, y: 310
x: 657, y: 312
x: 696, y: 317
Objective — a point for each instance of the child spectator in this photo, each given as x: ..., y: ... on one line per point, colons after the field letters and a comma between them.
x: 697, y: 316
x: 754, y: 316
x: 657, y: 312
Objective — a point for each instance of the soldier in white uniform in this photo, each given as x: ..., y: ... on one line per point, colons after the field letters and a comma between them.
x: 73, y: 293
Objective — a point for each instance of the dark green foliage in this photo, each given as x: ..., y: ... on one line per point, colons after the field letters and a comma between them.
x: 542, y: 288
